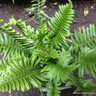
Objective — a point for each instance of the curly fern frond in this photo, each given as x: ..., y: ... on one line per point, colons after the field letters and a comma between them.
x: 20, y: 74
x: 60, y: 24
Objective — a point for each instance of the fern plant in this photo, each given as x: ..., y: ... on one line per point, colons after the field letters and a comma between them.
x: 47, y: 57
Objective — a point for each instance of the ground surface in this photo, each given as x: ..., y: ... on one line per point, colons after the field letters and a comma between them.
x: 7, y: 10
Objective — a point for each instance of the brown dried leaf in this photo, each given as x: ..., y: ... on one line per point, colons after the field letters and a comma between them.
x: 82, y: 27
x: 92, y: 7
x: 69, y: 40
x: 86, y: 11
x: 55, y: 3
x: 75, y: 21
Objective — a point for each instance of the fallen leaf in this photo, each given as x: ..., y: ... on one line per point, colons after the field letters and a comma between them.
x: 55, y: 3
x: 75, y: 21
x: 82, y: 27
x: 69, y: 40
x: 92, y: 7
x: 86, y: 11
x: 77, y: 29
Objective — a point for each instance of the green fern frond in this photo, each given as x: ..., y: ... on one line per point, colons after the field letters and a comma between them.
x: 8, y: 45
x: 24, y: 41
x: 49, y: 56
x: 20, y: 74
x: 87, y: 61
x: 26, y: 30
x: 85, y: 38
x: 20, y: 24
x: 83, y: 85
x: 60, y: 69
x: 37, y: 7
x: 41, y: 33
x: 53, y: 88
x: 60, y: 24
x: 3, y: 67
x: 57, y: 72
x: 31, y: 32
x: 45, y: 55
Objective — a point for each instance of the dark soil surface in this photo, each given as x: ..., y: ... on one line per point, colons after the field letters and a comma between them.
x: 8, y: 9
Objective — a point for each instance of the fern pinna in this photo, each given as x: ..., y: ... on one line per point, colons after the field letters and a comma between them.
x: 47, y: 57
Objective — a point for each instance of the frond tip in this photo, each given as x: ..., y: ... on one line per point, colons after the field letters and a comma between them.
x: 60, y: 24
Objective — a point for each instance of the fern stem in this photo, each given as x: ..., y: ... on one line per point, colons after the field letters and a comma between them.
x: 84, y: 42
x: 88, y: 41
x: 42, y: 12
x: 27, y: 16
x: 44, y: 54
